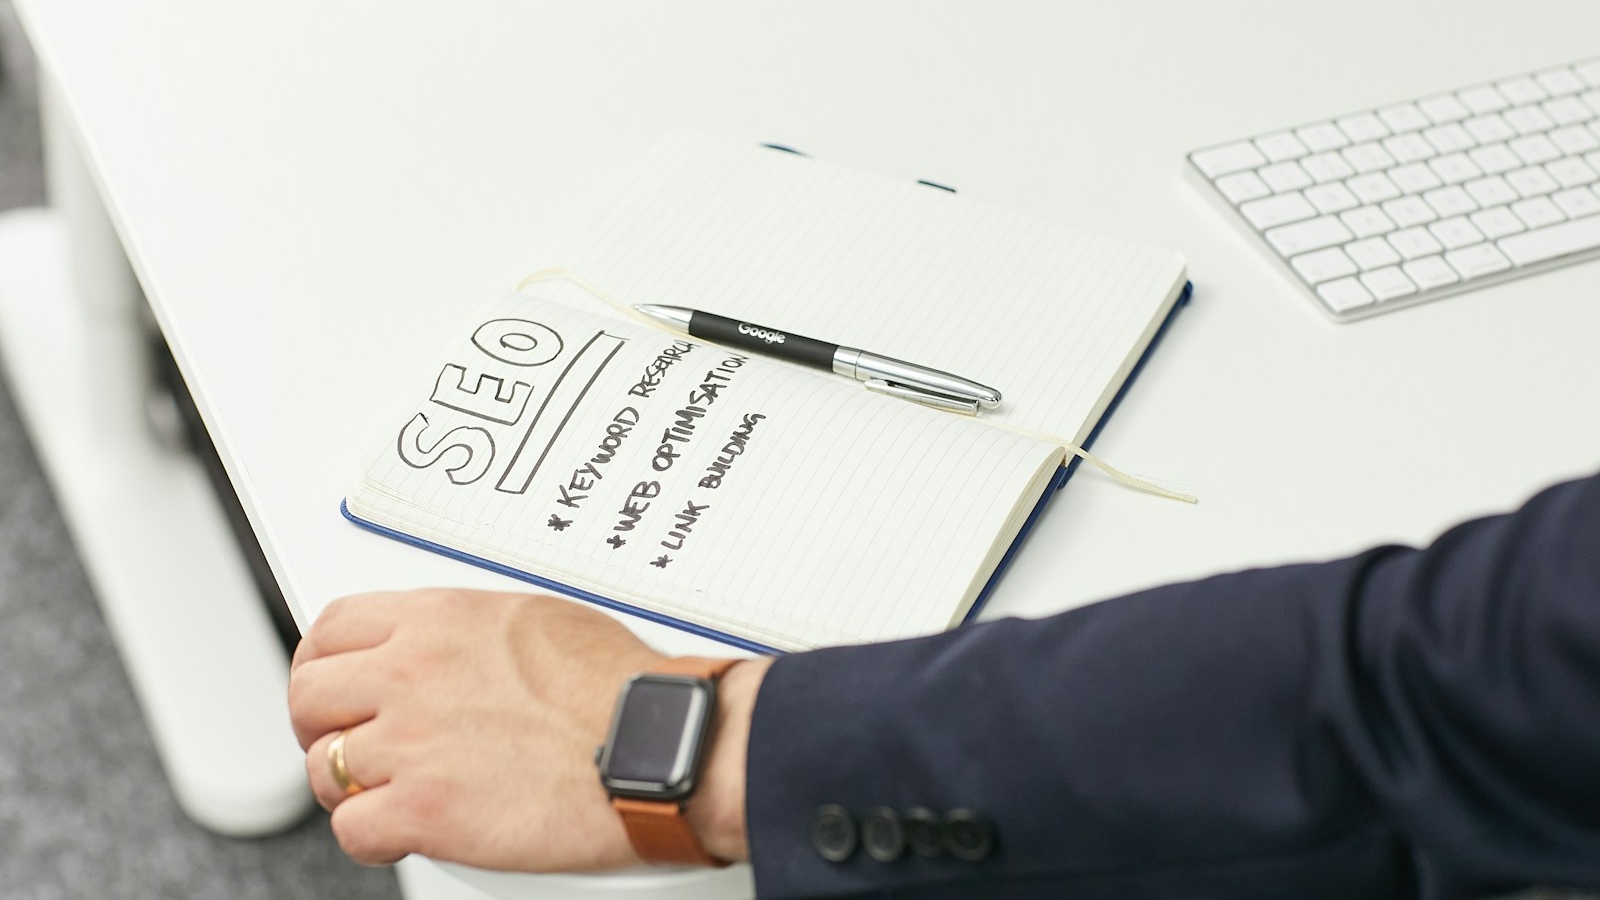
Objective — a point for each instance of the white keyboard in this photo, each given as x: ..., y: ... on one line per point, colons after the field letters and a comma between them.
x: 1416, y: 200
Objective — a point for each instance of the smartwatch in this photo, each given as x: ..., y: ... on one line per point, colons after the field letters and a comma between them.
x: 650, y: 762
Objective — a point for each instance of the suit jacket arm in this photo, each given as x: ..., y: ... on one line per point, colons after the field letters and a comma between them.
x: 1401, y: 723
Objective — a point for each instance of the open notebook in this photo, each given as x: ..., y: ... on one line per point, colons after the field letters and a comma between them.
x: 774, y: 506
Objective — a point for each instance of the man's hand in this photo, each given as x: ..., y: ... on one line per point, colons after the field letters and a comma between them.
x: 472, y: 720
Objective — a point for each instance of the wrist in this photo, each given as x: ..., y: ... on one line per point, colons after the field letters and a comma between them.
x: 716, y: 811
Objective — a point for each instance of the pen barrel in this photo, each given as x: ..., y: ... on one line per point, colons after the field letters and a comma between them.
x: 761, y: 339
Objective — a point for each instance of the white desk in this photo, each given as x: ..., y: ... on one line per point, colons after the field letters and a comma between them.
x: 313, y: 192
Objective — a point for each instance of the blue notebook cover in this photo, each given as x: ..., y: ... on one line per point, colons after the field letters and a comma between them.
x: 753, y: 646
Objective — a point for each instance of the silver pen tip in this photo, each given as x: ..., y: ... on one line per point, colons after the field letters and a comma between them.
x: 675, y: 316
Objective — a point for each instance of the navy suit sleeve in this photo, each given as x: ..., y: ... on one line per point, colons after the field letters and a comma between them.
x: 1403, y: 723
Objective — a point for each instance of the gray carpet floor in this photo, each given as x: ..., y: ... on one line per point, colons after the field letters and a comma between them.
x: 84, y: 809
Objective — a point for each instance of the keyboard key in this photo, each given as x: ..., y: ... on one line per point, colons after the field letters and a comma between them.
x: 1409, y: 211
x: 1408, y: 147
x: 1532, y: 181
x: 1575, y: 236
x: 1374, y: 253
x: 1591, y: 99
x: 1450, y: 201
x: 1528, y: 119
x: 1570, y: 172
x: 1285, y: 176
x: 1362, y: 127
x: 1449, y: 138
x: 1577, y: 202
x: 1242, y: 186
x: 1534, y: 149
x: 1279, y: 210
x: 1567, y: 110
x: 1404, y: 117
x: 1280, y: 146
x: 1331, y: 198
x: 1589, y: 71
x: 1374, y: 187
x: 1327, y: 167
x: 1323, y: 265
x: 1303, y: 237
x: 1484, y: 99
x: 1414, y: 243
x: 1538, y: 212
x: 1497, y: 222
x: 1368, y: 157
x: 1574, y: 140
x: 1367, y: 221
x: 1559, y: 81
x: 1521, y: 90
x: 1455, y: 168
x: 1228, y: 159
x: 1322, y: 136
x: 1444, y: 108
x: 1489, y: 128
x: 1388, y: 283
x: 1455, y: 233
x: 1494, y: 158
x: 1344, y: 294
x: 1492, y: 191
x: 1414, y: 178
x: 1431, y: 272
x: 1477, y: 260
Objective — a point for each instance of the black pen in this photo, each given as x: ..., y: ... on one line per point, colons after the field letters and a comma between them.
x: 883, y: 374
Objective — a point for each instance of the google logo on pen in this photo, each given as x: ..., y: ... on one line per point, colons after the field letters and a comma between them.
x: 771, y: 337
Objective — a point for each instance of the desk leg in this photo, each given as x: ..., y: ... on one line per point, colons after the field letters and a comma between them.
x: 197, y: 643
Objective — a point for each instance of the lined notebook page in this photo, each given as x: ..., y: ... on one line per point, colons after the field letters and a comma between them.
x: 1054, y: 318
x: 785, y: 506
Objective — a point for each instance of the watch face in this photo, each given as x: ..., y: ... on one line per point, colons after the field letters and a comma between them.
x: 656, y: 736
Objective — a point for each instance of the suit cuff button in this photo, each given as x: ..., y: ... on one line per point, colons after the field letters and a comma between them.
x: 923, y: 833
x: 833, y: 833
x: 967, y: 835
x: 881, y: 834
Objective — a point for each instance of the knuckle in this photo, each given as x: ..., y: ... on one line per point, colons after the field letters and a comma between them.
x: 427, y: 807
x: 358, y: 839
x: 403, y: 671
x: 413, y: 729
x: 299, y: 696
x: 320, y: 789
x: 330, y: 615
x: 451, y: 599
x: 304, y: 649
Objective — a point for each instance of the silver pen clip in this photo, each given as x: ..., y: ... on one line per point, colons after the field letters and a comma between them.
x: 922, y: 396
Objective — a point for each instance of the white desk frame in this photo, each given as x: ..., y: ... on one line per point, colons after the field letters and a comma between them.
x: 147, y: 524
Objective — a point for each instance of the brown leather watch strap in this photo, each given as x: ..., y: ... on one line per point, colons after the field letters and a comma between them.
x: 657, y: 828
x: 660, y: 833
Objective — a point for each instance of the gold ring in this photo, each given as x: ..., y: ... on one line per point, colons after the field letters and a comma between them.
x: 341, y: 775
